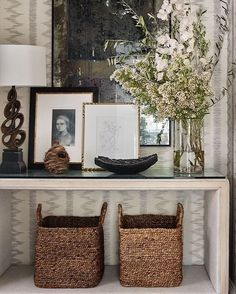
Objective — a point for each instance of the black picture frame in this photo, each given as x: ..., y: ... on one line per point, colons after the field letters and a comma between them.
x: 159, y: 132
x: 49, y: 100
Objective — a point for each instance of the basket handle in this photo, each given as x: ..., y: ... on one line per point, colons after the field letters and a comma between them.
x: 39, y: 214
x: 179, y: 215
x: 120, y: 215
x: 103, y: 213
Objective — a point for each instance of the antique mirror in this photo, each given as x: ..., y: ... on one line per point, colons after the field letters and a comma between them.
x: 80, y: 29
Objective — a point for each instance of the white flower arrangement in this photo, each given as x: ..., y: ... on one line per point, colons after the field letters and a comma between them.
x: 170, y: 74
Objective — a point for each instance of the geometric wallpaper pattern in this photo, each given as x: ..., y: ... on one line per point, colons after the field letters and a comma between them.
x: 29, y: 22
x: 232, y: 142
x: 88, y: 203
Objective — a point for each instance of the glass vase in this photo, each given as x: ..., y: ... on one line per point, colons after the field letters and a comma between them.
x: 188, y: 146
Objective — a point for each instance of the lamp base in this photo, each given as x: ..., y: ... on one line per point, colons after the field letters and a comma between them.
x: 12, y: 162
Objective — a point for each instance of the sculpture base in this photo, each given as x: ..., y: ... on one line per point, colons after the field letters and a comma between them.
x: 12, y: 162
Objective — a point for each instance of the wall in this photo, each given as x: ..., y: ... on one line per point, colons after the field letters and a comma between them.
x: 29, y: 22
x: 24, y: 22
x: 232, y: 144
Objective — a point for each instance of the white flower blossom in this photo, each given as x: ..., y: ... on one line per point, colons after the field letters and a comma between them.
x: 203, y: 61
x: 172, y: 45
x: 164, y: 50
x: 179, y: 48
x: 173, y: 79
x: 160, y: 76
x: 161, y: 64
x: 179, y: 6
x: 187, y: 62
x: 165, y: 3
x: 185, y: 36
x: 165, y: 10
x: 167, y: 45
x: 190, y: 45
x: 162, y: 39
x: 162, y: 15
x: 186, y: 24
x: 166, y: 6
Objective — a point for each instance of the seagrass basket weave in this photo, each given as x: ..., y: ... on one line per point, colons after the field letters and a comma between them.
x: 69, y: 251
x: 151, y: 249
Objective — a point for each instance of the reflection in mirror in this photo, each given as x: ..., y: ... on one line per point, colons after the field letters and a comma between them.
x: 154, y: 133
x: 80, y: 30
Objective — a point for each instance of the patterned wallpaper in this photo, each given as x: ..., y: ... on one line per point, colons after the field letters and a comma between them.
x: 232, y: 147
x: 29, y: 22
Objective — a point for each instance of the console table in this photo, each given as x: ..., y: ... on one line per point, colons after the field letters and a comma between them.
x: 211, y: 278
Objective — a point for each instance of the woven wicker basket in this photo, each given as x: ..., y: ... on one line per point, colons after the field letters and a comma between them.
x: 151, y: 249
x: 69, y: 251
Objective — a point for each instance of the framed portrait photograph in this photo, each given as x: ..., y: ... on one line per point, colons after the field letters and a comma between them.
x: 153, y: 132
x: 56, y: 117
x: 63, y: 127
x: 110, y: 130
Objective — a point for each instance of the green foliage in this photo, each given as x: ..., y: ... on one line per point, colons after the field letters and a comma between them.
x: 170, y: 75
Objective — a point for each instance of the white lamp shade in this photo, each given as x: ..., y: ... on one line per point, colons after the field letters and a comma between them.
x: 22, y: 65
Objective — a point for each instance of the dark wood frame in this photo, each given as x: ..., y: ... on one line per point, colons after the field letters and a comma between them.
x: 33, y: 92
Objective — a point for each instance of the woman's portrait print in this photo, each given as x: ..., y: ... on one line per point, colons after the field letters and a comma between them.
x: 63, y: 127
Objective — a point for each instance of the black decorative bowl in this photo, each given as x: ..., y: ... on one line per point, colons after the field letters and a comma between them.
x: 126, y: 166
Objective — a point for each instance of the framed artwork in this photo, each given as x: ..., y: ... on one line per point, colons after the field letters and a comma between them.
x: 56, y: 116
x: 110, y: 130
x: 82, y: 27
x: 154, y: 133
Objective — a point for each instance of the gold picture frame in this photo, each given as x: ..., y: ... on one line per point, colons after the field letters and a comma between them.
x: 110, y: 130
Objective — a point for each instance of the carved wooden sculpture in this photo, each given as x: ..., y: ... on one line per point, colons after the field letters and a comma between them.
x: 56, y: 159
x: 13, y: 137
x: 23, y: 66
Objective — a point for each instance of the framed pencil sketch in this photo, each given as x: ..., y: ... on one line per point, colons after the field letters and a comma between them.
x: 56, y: 117
x: 110, y: 130
x: 154, y: 133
